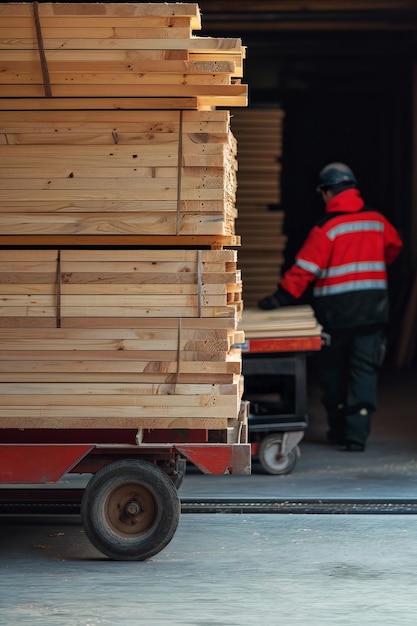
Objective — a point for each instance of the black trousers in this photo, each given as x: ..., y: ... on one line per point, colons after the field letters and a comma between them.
x: 349, y: 375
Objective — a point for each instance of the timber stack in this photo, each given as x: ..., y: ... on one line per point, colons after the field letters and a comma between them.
x: 120, y: 291
x: 260, y: 218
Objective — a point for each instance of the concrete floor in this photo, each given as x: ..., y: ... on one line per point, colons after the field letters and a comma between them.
x: 240, y: 570
x: 244, y: 569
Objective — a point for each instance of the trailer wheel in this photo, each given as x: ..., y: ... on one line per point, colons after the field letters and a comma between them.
x: 272, y: 460
x: 130, y: 510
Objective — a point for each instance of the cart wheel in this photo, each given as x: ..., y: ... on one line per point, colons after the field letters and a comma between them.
x: 271, y: 459
x: 130, y: 510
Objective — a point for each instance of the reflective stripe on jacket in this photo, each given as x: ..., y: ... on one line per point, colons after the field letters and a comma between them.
x: 346, y: 257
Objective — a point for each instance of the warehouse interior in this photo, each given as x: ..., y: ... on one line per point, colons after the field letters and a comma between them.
x: 345, y: 76
x: 328, y: 80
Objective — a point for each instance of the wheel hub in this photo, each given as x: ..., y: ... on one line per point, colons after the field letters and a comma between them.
x: 133, y: 508
x: 130, y: 509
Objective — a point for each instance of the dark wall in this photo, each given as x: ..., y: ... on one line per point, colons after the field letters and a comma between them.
x: 347, y: 97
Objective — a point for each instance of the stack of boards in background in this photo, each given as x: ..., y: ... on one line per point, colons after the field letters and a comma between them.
x: 260, y: 220
x: 287, y: 322
x: 120, y: 291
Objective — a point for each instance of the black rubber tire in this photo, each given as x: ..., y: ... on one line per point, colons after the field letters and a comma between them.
x: 270, y: 460
x: 130, y: 510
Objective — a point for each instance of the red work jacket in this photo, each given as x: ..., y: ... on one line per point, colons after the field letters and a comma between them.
x: 346, y: 257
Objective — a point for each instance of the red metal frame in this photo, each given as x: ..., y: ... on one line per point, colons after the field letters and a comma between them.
x: 39, y: 464
x: 47, y: 463
x: 283, y: 344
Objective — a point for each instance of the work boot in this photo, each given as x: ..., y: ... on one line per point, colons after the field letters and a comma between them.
x: 357, y: 430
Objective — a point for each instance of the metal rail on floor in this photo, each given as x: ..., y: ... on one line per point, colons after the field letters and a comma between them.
x: 67, y: 502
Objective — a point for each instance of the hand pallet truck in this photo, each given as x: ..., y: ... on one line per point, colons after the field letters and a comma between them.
x: 274, y: 435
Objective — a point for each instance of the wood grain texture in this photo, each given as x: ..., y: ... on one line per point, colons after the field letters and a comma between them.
x: 164, y: 356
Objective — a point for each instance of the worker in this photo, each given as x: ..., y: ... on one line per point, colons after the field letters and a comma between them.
x: 345, y: 258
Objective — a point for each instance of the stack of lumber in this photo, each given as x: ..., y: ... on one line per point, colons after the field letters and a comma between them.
x: 135, y: 339
x: 260, y: 221
x: 120, y: 301
x: 126, y: 50
x: 288, y: 321
x: 103, y: 128
x: 116, y: 173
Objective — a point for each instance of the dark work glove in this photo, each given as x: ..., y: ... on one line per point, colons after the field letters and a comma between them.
x: 270, y: 302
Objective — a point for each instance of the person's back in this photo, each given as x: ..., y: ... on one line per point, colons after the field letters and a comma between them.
x: 345, y: 256
x: 351, y: 247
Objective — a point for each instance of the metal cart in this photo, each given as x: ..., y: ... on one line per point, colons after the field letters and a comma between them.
x: 274, y: 434
x: 130, y: 507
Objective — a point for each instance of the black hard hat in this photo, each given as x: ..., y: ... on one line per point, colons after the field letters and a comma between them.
x: 335, y: 174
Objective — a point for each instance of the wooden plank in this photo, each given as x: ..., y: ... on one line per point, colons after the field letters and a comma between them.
x: 142, y: 311
x: 142, y: 288
x: 162, y: 153
x: 79, y: 21
x: 152, y: 69
x: 28, y: 310
x: 149, y: 378
x: 30, y: 322
x: 25, y: 287
x: 123, y: 67
x: 105, y: 419
x: 143, y: 405
x: 134, y: 280
x: 188, y: 185
x: 27, y: 257
x: 103, y: 56
x: 81, y: 78
x: 136, y: 256
x: 158, y: 156
x: 152, y: 330
x: 200, y: 44
x: 49, y: 119
x: 148, y: 224
x: 112, y: 137
x: 64, y: 104
x: 165, y: 289
x: 199, y: 241
x: 218, y: 95
x: 194, y: 368
x: 147, y: 323
x: 104, y: 10
x: 77, y: 302
x: 168, y: 174
x: 93, y: 32
x: 68, y: 389
x: 213, y: 207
